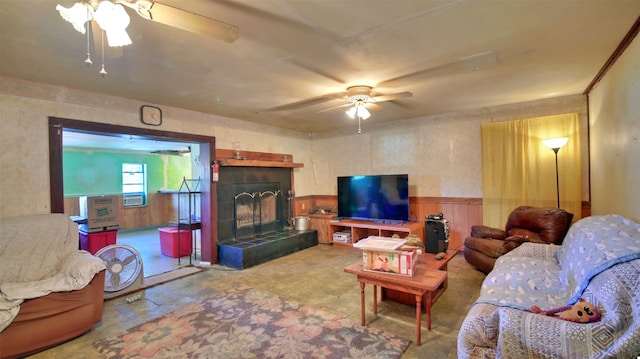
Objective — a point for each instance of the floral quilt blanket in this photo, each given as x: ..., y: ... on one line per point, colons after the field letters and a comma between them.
x: 598, y: 261
x: 591, y: 246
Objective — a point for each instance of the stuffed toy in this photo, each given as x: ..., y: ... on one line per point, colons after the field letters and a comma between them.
x: 581, y: 312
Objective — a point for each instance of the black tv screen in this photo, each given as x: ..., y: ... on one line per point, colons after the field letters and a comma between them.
x: 374, y: 197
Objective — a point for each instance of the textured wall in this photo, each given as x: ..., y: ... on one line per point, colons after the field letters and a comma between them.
x: 24, y: 148
x: 441, y: 154
x: 614, y: 108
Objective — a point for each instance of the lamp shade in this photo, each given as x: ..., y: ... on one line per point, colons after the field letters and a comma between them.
x: 351, y: 112
x: 358, y: 110
x: 113, y: 19
x: 363, y: 112
x: 77, y: 15
x: 555, y: 143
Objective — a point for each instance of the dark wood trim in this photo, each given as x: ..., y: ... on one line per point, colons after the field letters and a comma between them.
x: 586, y: 205
x: 207, y: 156
x: 586, y: 210
x: 316, y: 197
x: 56, y: 182
x: 455, y: 200
x: 450, y: 200
x: 209, y: 203
x: 256, y: 163
x: 588, y: 155
x: 615, y: 55
x: 225, y: 154
x: 256, y: 159
x: 127, y: 131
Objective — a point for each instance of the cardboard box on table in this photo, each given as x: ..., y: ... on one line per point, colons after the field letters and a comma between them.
x: 382, y: 254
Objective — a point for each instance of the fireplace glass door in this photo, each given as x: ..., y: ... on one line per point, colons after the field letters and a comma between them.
x: 257, y: 211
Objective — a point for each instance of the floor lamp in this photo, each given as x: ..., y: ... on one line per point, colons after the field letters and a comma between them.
x: 555, y: 144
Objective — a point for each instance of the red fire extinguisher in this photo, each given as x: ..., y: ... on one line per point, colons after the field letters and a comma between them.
x: 215, y: 172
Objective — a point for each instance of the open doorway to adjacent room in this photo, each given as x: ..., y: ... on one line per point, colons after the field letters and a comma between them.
x: 97, y: 161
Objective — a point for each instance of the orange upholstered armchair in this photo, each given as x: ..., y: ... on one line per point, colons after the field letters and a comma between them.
x: 525, y: 224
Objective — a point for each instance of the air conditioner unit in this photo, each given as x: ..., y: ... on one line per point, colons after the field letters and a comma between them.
x: 132, y: 200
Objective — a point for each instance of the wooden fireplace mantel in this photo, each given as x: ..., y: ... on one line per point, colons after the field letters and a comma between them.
x: 255, y: 159
x: 257, y: 163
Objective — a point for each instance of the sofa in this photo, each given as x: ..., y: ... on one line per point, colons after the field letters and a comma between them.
x: 50, y: 291
x: 599, y: 261
x: 524, y: 224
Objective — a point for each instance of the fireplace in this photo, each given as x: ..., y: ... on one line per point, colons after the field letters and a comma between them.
x: 257, y: 213
x: 254, y: 208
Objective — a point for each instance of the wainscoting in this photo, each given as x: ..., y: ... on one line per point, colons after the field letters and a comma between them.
x: 161, y: 209
x: 461, y: 213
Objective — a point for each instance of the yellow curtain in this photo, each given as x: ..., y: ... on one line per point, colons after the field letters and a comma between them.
x: 518, y: 169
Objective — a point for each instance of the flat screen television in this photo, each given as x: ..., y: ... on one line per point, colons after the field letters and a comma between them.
x: 383, y: 198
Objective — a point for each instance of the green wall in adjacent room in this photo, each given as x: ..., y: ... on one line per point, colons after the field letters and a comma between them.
x: 94, y: 172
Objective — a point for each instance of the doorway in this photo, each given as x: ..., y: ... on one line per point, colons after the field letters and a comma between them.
x: 208, y: 231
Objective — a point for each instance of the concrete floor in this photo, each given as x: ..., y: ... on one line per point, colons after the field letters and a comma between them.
x: 147, y: 242
x: 313, y: 276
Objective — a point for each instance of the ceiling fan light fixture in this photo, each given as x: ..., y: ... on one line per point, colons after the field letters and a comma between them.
x: 362, y: 98
x: 359, y: 94
x: 358, y: 110
x: 351, y: 112
x: 113, y: 19
x: 77, y: 15
x: 363, y: 113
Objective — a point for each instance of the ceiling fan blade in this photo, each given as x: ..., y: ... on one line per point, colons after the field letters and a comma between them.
x: 305, y: 103
x: 391, y: 97
x: 417, y: 74
x: 373, y: 106
x: 316, y: 70
x: 335, y: 107
x: 474, y: 62
x: 194, y: 23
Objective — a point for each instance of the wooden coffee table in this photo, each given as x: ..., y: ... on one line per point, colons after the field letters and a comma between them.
x: 430, y: 261
x: 424, y: 283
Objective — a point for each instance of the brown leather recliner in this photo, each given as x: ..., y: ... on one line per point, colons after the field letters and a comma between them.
x: 525, y: 224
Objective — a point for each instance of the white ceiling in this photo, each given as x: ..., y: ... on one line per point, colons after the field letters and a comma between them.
x: 452, y: 55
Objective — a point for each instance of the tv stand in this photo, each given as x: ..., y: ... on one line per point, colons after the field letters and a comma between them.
x: 388, y: 221
x: 360, y: 229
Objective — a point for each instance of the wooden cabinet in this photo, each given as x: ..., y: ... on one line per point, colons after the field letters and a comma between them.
x: 320, y: 222
x: 360, y: 229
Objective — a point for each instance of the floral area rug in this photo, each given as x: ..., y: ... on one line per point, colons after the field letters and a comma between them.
x: 251, y: 323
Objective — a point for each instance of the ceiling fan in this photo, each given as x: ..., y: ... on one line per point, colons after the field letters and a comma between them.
x: 360, y: 96
x: 108, y: 17
x: 364, y: 95
x: 81, y: 12
x: 182, y: 19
